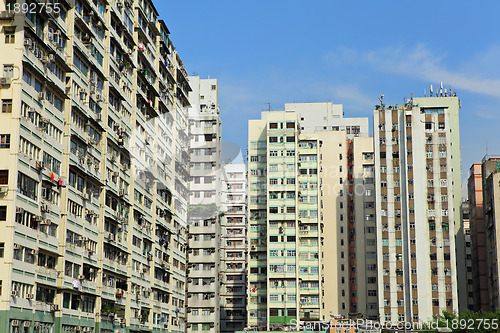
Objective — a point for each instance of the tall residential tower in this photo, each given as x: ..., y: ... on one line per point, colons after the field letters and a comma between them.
x: 203, y: 288
x: 301, y: 235
x: 93, y: 162
x: 418, y: 191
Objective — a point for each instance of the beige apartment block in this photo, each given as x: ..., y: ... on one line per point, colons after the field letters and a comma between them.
x: 418, y: 204
x: 299, y: 228
x: 94, y: 159
x: 203, y: 288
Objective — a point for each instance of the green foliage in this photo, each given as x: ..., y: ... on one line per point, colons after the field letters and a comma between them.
x: 465, y: 322
x: 108, y: 308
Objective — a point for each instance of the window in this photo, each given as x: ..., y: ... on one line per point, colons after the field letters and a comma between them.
x: 3, y: 213
x: 6, y: 106
x: 27, y: 186
x: 4, y: 140
x: 4, y: 177
x: 10, y: 35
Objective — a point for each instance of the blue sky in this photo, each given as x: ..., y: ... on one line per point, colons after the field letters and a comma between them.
x: 347, y: 52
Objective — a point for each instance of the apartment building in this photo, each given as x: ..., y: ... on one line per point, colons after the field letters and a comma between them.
x: 233, y: 253
x: 94, y: 178
x: 355, y: 206
x: 327, y: 116
x: 299, y: 241
x: 418, y: 208
x: 203, y: 288
x: 491, y: 204
x: 468, y: 256
x: 478, y: 238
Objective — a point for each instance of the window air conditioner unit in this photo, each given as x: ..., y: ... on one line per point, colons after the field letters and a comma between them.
x: 5, y: 80
x: 4, y: 189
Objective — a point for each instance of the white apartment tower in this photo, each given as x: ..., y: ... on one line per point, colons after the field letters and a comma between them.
x: 94, y: 169
x: 233, y: 263
x: 418, y: 204
x: 203, y: 288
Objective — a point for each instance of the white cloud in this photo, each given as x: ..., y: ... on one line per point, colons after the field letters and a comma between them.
x: 420, y: 62
x: 487, y: 115
x: 351, y: 95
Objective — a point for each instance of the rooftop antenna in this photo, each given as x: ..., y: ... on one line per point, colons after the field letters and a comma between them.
x: 425, y: 92
x: 430, y: 95
x: 269, y: 104
x: 445, y: 92
x: 441, y: 90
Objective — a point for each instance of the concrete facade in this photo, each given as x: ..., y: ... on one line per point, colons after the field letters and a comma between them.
x: 203, y: 292
x: 419, y: 226
x: 300, y: 181
x: 94, y: 156
x: 491, y: 204
x: 468, y: 255
x: 478, y: 238
x: 233, y: 254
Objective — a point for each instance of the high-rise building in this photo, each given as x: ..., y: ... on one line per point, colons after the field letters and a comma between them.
x: 233, y: 299
x: 478, y: 238
x: 468, y: 255
x: 203, y: 288
x: 94, y: 172
x: 299, y: 228
x: 491, y: 204
x: 419, y: 225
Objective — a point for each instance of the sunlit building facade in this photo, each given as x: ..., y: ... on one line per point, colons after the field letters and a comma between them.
x: 94, y: 170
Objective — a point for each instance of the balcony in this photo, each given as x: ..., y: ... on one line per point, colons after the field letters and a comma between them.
x: 46, y: 272
x: 211, y: 318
